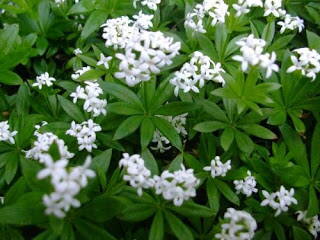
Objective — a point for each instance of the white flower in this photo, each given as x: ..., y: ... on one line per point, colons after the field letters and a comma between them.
x: 280, y: 200
x: 85, y: 134
x: 194, y: 19
x: 291, y: 23
x: 243, y: 6
x: 240, y: 225
x: 267, y: 61
x: 55, y: 169
x: 178, y: 186
x: 5, y: 134
x: 151, y: 4
x: 78, y: 94
x: 273, y: 7
x: 163, y: 143
x: 136, y: 173
x: 77, y: 51
x: 196, y: 72
x: 81, y: 174
x: 143, y: 21
x: 43, y: 80
x: 104, y: 61
x: 308, y: 62
x: 246, y: 186
x: 218, y: 168
x: 79, y: 72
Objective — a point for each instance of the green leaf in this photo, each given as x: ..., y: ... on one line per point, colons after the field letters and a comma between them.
x: 299, y: 234
x: 71, y: 109
x: 258, y: 131
x: 213, y: 196
x: 150, y: 161
x: 227, y: 138
x: 268, y: 32
x: 207, y: 46
x: 16, y: 191
x: 8, y: 37
x: 93, y: 23
x: 146, y: 132
x: 157, y: 227
x: 313, y: 206
x: 163, y: 93
x: 313, y: 40
x: 281, y: 42
x: 137, y: 212
x: 92, y: 74
x: 209, y: 126
x: 191, y: 209
x: 315, y: 150
x: 121, y: 92
x: 168, y: 131
x: 23, y: 99
x: 278, y: 229
x: 100, y: 164
x: 214, y: 110
x: 180, y: 230
x: 227, y: 192
x: 124, y: 108
x: 87, y: 230
x: 244, y: 142
x: 11, y: 166
x: 10, y: 78
x: 176, y: 108
x: 220, y: 39
x: 127, y: 127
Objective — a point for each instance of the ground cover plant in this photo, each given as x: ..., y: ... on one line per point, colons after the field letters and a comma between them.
x: 159, y: 119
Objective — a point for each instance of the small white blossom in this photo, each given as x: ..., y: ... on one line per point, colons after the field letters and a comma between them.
x: 196, y: 72
x: 246, y: 186
x: 79, y: 72
x: 273, y: 7
x: 308, y: 62
x: 240, y: 225
x: 280, y: 200
x: 143, y: 21
x: 85, y: 134
x: 43, y: 80
x: 218, y: 168
x: 313, y: 223
x: 104, y: 61
x: 194, y: 19
x: 243, y: 6
x: 77, y: 51
x: 291, y: 23
x: 136, y: 173
x: 5, y: 134
x: 151, y: 4
x: 267, y: 61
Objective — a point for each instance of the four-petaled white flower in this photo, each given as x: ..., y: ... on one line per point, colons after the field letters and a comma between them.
x: 44, y: 80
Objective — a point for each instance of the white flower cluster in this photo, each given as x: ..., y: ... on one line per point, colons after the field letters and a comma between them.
x: 42, y: 145
x: 178, y: 186
x: 90, y: 93
x: 104, y: 61
x: 251, y: 49
x: 240, y: 225
x: 308, y: 62
x: 216, y: 10
x: 143, y: 21
x: 151, y: 4
x: 145, y: 53
x: 218, y: 168
x: 44, y: 80
x: 79, y: 72
x: 274, y: 7
x: 280, y: 200
x: 162, y: 143
x: 291, y: 23
x: 66, y: 183
x: 243, y: 6
x: 312, y: 222
x: 196, y: 72
x: 5, y: 133
x: 136, y: 173
x: 85, y: 133
x: 246, y: 186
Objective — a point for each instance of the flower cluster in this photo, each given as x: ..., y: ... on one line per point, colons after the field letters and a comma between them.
x: 251, y: 49
x: 44, y: 80
x: 145, y: 53
x: 246, y: 186
x: 5, y: 133
x: 215, y: 10
x: 136, y: 173
x: 143, y: 21
x: 280, y: 200
x: 66, y: 183
x: 291, y: 23
x: 312, y: 222
x: 240, y: 225
x: 218, y: 168
x: 42, y: 146
x: 85, y: 133
x: 151, y: 4
x: 162, y: 143
x: 195, y: 73
x: 274, y: 7
x: 90, y: 94
x: 243, y: 6
x: 308, y: 62
x: 79, y: 72
x: 178, y: 186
